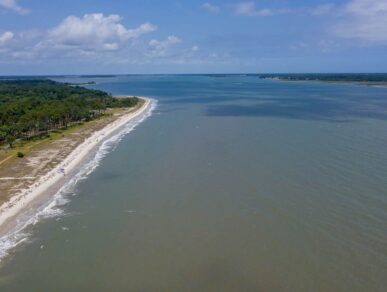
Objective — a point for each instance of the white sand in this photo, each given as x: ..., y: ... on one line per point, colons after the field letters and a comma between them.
x: 22, y: 199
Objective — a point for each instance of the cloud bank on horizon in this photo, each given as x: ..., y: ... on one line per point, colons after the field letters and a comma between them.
x: 179, y: 37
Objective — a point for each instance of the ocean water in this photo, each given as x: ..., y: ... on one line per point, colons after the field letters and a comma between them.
x: 232, y: 184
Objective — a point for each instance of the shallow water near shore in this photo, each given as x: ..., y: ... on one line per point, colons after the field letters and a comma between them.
x: 48, y: 204
x: 233, y: 184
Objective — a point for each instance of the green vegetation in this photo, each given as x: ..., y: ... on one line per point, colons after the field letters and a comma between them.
x: 33, y: 108
x: 81, y: 83
x: 20, y: 154
x: 372, y: 78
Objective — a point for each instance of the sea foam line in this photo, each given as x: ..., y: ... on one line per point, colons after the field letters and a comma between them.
x: 52, y: 207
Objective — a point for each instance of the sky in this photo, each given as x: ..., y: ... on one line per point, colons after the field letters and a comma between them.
x: 46, y: 37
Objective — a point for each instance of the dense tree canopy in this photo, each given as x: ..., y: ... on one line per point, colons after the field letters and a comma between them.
x: 30, y: 108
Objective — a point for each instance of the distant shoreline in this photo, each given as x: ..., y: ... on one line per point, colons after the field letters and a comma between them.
x: 357, y: 79
x: 365, y: 83
x: 23, y: 198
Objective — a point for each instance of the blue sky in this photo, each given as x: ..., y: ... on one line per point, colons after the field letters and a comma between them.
x: 171, y: 36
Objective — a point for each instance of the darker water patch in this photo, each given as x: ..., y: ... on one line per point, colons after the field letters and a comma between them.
x: 341, y: 109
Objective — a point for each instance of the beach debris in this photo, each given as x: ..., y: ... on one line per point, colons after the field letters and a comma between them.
x: 64, y: 228
x: 42, y: 246
x: 62, y: 170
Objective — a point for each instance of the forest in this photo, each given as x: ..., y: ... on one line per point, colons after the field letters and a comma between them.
x: 32, y: 108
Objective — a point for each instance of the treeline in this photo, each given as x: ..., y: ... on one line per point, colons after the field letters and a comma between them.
x: 31, y: 108
x: 330, y: 77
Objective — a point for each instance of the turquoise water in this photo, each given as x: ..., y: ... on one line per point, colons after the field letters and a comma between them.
x: 233, y: 184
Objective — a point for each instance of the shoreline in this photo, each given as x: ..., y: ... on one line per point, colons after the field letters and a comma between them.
x: 23, y: 198
x: 382, y: 84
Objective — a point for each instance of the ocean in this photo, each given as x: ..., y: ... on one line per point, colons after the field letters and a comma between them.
x: 233, y: 183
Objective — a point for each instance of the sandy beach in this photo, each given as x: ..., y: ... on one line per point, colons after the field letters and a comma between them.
x: 22, y: 198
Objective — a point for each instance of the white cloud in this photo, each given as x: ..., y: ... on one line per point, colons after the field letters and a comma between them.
x: 299, y: 46
x: 94, y: 32
x: 249, y: 9
x: 323, y: 9
x: 6, y: 37
x: 12, y: 5
x: 211, y: 7
x: 96, y: 38
x: 364, y: 20
x: 366, y: 7
x: 160, y: 48
x: 327, y: 46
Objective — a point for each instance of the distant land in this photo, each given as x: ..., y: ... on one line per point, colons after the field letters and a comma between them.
x: 372, y: 79
x: 362, y: 78
x: 81, y: 83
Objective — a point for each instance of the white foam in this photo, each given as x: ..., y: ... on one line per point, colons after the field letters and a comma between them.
x: 53, y: 206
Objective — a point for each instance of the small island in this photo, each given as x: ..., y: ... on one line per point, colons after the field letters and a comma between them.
x: 82, y: 83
